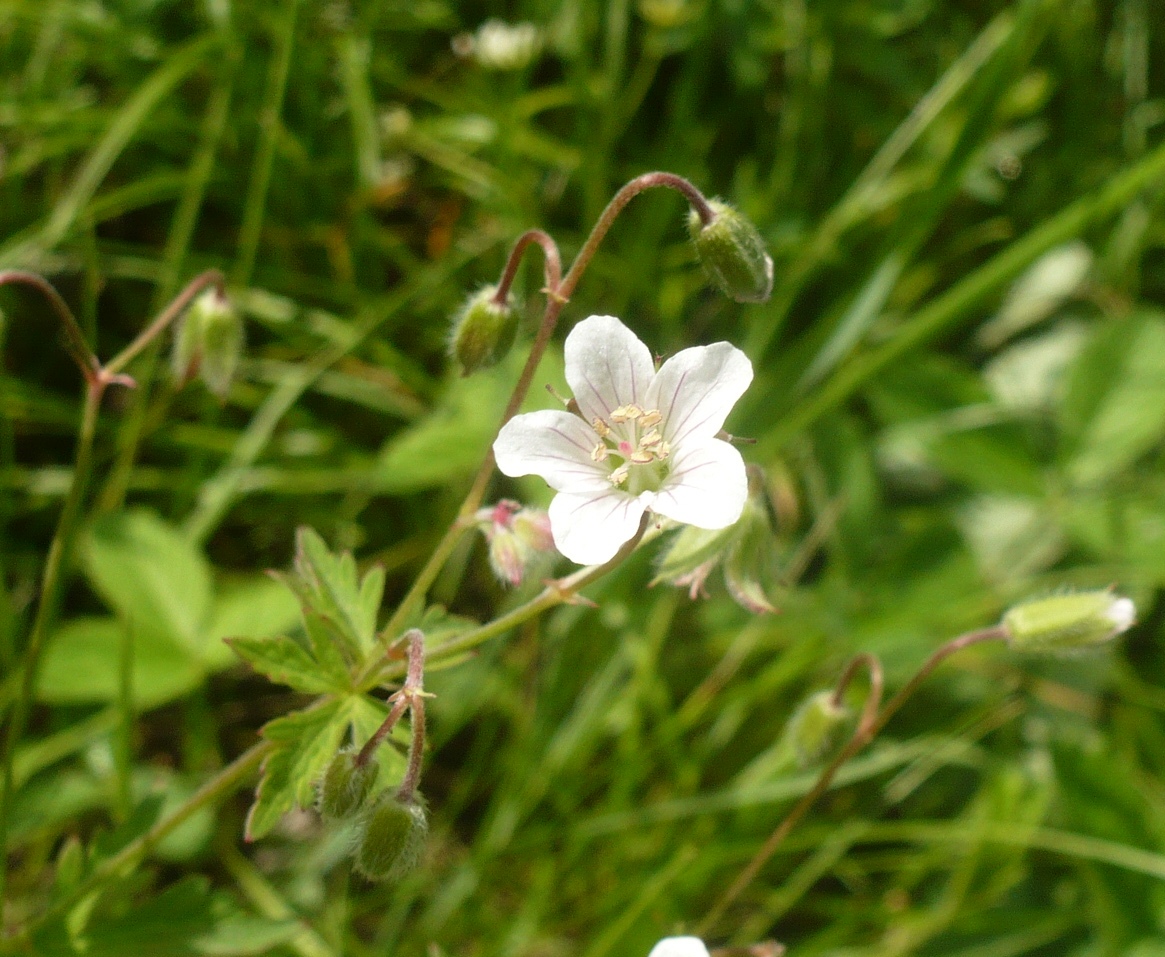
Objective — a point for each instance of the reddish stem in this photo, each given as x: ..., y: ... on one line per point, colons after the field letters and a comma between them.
x: 553, y: 263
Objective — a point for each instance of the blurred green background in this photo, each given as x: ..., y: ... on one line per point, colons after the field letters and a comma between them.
x: 959, y: 402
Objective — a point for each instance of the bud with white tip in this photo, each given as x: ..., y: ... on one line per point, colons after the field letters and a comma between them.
x: 733, y: 253
x: 815, y: 726
x: 1069, y: 622
x: 209, y: 342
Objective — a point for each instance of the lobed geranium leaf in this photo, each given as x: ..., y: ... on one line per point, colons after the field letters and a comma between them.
x: 286, y: 662
x: 305, y: 741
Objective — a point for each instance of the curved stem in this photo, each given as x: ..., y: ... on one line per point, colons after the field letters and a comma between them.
x: 864, y: 661
x: 557, y: 297
x: 178, y: 305
x: 865, y: 733
x: 553, y: 263
x: 402, y: 699
x: 75, y: 342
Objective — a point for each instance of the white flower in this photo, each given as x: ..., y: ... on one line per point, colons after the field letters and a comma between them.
x: 642, y: 440
x: 679, y: 947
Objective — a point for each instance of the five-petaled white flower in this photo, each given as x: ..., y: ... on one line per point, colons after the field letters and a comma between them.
x: 679, y: 947
x: 642, y: 439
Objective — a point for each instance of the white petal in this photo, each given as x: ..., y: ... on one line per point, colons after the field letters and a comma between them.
x: 697, y: 388
x: 554, y: 444
x: 707, y: 486
x: 679, y: 947
x: 606, y: 366
x: 590, y: 527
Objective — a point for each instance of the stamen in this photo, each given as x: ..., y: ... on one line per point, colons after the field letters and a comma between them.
x: 663, y: 451
x: 642, y: 457
x: 625, y: 413
x: 601, y: 428
x: 650, y: 418
x: 619, y: 476
x: 649, y: 440
x: 599, y: 452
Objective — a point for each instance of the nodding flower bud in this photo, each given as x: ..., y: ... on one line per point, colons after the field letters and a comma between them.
x: 345, y: 785
x: 815, y: 726
x: 1069, y: 622
x: 209, y: 342
x: 519, y: 538
x: 733, y: 253
x: 392, y: 838
x: 483, y: 331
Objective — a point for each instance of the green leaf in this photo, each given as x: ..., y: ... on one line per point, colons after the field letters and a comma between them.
x: 151, y: 574
x: 326, y: 642
x: 305, y: 742
x: 329, y: 584
x: 284, y: 662
x: 1114, y: 410
x: 81, y: 665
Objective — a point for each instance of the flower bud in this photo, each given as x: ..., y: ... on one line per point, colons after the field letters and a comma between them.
x: 209, y: 342
x: 483, y: 331
x: 1069, y: 622
x: 392, y: 838
x: 345, y: 785
x: 815, y: 726
x: 733, y: 253
x: 519, y: 539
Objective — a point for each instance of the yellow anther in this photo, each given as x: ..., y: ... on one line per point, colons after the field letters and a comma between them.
x: 619, y: 476
x: 650, y: 440
x: 599, y: 452
x: 642, y: 457
x: 663, y: 451
x: 601, y: 428
x: 626, y: 413
x: 650, y: 417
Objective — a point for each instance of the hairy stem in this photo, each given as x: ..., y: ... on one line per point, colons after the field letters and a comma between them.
x: 414, y: 682
x: 866, y: 731
x: 75, y: 342
x: 553, y: 263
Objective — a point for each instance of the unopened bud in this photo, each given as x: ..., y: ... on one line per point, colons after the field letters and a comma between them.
x: 345, y: 785
x: 209, y: 342
x: 1069, y: 622
x: 483, y: 331
x: 518, y: 537
x: 733, y: 253
x: 392, y: 839
x: 815, y: 726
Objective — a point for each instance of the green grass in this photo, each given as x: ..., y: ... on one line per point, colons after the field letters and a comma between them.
x: 942, y: 437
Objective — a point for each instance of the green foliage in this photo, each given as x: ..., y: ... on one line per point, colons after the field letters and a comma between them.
x: 958, y: 384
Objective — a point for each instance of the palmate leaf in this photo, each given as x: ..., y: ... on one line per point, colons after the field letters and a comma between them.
x: 331, y: 586
x: 286, y: 662
x: 305, y: 741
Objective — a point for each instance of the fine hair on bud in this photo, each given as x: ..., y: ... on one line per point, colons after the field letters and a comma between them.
x: 345, y: 785
x: 815, y: 727
x: 208, y: 343
x: 483, y: 331
x: 392, y: 837
x: 1069, y: 622
x: 733, y: 253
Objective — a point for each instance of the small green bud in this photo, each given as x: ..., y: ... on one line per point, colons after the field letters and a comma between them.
x: 209, y: 342
x: 1069, y: 622
x: 733, y: 253
x: 345, y: 785
x: 392, y: 838
x: 483, y: 331
x: 815, y: 726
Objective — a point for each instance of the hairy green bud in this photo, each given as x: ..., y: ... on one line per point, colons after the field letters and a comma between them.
x: 733, y: 253
x: 1069, y: 622
x: 483, y: 331
x: 392, y: 839
x: 815, y: 726
x: 345, y: 785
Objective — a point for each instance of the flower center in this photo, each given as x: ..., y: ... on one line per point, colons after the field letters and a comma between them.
x: 633, y: 448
